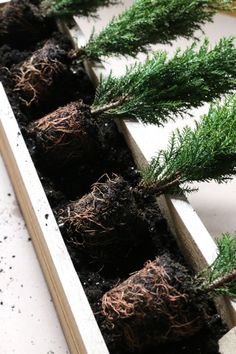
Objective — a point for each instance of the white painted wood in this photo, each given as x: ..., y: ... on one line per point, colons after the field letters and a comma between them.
x: 144, y: 141
x: 77, y: 319
x: 227, y: 344
x: 3, y: 2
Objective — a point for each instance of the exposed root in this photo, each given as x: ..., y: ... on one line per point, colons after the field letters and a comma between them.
x: 35, y: 77
x: 151, y: 306
x: 104, y: 223
x: 66, y: 135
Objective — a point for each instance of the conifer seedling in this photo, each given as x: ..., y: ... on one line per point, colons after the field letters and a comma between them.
x: 162, y: 302
x: 150, y: 22
x: 23, y: 23
x: 153, y: 92
x: 145, y: 22
x: 206, y: 152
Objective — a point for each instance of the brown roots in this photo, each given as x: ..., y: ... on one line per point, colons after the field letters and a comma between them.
x: 104, y: 223
x: 156, y: 304
x: 21, y: 24
x: 36, y: 76
x: 66, y: 136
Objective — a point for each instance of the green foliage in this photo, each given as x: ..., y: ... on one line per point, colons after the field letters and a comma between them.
x: 152, y: 21
x: 62, y: 8
x: 201, y: 154
x: 224, y: 264
x: 161, y: 88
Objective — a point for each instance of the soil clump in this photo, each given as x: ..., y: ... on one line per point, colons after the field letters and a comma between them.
x: 22, y: 24
x: 106, y: 223
x: 35, y: 77
x: 159, y: 303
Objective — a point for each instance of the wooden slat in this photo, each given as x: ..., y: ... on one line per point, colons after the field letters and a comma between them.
x: 192, y: 236
x: 231, y: 13
x: 76, y: 316
x: 3, y: 2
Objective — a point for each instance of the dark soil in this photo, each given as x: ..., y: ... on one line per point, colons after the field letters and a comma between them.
x: 22, y: 24
x: 107, y: 226
x: 36, y: 77
x: 97, y: 275
x: 10, y: 56
x: 159, y: 303
x: 75, y: 86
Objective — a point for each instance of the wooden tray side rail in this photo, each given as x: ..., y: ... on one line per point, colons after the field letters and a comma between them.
x: 76, y: 317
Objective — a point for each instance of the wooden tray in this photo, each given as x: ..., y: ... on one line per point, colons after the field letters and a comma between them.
x: 78, y: 322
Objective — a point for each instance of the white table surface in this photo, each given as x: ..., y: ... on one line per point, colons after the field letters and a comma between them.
x: 28, y: 321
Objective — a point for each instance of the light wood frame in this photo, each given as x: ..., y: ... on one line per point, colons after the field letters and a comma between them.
x: 78, y: 322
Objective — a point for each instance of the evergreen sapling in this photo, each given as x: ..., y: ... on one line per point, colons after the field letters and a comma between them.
x: 145, y: 22
x: 162, y: 302
x: 153, y: 92
x: 204, y: 153
x: 22, y: 22
x: 179, y: 14
x: 150, y: 22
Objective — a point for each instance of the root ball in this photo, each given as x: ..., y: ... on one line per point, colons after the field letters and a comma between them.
x: 36, y: 76
x: 66, y: 136
x: 154, y: 305
x: 104, y: 223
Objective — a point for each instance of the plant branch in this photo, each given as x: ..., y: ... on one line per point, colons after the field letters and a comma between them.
x: 163, y: 88
x: 152, y: 21
x: 204, y: 153
x: 107, y: 107
x: 168, y: 184
x: 221, y: 281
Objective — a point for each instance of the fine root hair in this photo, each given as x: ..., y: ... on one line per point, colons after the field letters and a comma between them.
x: 34, y: 78
x: 150, y: 307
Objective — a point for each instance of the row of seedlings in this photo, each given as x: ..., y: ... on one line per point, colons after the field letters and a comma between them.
x: 172, y: 86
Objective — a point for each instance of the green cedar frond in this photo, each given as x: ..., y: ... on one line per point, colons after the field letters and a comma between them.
x: 62, y: 8
x: 225, y: 264
x: 161, y: 88
x: 152, y: 21
x: 207, y: 152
